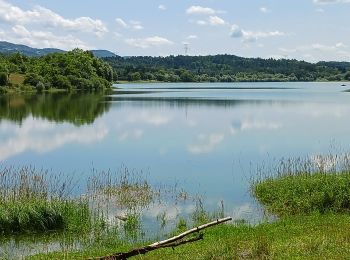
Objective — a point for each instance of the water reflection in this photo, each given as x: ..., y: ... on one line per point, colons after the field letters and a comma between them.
x: 75, y: 108
x: 42, y: 136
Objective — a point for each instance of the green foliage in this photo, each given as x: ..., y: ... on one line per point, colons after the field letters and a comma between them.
x: 305, y: 193
x: 3, y: 79
x: 32, y: 79
x: 347, y: 76
x: 76, y: 69
x: 223, y: 68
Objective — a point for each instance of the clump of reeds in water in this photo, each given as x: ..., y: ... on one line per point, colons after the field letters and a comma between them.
x: 34, y: 200
x: 318, y: 183
x: 129, y: 189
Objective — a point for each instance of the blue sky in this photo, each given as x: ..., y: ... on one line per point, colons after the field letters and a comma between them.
x: 309, y: 30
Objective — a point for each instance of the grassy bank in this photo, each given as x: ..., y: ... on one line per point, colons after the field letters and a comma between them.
x: 305, y: 193
x: 34, y: 201
x: 302, y: 237
x: 314, y: 223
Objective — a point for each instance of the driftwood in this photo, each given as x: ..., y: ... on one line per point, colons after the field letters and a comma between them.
x: 171, y: 242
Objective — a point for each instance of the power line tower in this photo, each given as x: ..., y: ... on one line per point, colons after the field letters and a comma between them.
x: 186, y: 47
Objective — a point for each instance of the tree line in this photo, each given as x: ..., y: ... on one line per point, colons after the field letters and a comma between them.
x: 224, y: 68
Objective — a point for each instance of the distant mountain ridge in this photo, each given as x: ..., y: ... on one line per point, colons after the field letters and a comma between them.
x: 8, y: 48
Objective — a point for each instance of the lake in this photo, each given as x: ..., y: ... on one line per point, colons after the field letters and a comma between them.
x: 209, y: 139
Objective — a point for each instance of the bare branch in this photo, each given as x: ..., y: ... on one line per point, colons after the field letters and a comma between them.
x: 171, y: 242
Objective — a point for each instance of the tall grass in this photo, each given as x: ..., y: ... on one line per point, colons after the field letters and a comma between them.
x: 303, y: 186
x: 34, y: 200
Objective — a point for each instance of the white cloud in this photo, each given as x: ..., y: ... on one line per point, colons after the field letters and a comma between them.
x: 121, y: 22
x: 236, y: 32
x: 215, y: 20
x: 148, y: 42
x: 323, y: 2
x: 196, y: 9
x: 135, y: 25
x: 43, y: 39
x: 43, y: 16
x: 207, y: 143
x: 162, y: 7
x: 265, y: 10
x: 250, y: 36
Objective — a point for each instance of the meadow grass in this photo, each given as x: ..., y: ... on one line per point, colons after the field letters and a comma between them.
x: 298, y: 237
x: 16, y: 79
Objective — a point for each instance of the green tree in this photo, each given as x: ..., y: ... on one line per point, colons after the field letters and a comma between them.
x: 3, y: 79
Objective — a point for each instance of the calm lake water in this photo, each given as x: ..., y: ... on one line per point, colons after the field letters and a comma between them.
x: 207, y: 138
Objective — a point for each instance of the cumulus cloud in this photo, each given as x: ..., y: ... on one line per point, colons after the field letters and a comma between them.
x: 216, y: 20
x: 196, y: 9
x: 206, y: 144
x: 323, y: 2
x: 250, y: 36
x: 213, y: 20
x: 43, y: 39
x: 148, y: 42
x: 43, y: 16
x: 135, y: 25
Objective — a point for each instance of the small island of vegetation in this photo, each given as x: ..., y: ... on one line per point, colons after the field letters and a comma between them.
x: 74, y: 70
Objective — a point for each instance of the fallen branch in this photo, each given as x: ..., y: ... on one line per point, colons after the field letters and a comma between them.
x: 171, y: 242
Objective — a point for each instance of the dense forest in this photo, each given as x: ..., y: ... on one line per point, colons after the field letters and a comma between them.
x: 76, y: 69
x: 224, y: 68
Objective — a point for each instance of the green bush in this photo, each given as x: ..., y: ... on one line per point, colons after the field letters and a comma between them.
x: 33, y: 79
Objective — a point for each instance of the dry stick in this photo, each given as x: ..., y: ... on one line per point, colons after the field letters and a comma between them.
x: 171, y: 242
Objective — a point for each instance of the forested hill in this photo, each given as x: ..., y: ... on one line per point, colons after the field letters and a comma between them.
x: 11, y: 48
x: 225, y: 68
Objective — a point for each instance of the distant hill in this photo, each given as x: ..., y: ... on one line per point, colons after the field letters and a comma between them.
x: 8, y: 48
x: 103, y: 53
